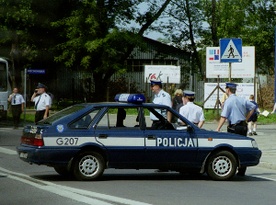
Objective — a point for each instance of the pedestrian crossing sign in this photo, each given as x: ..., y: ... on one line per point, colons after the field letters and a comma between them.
x: 230, y: 50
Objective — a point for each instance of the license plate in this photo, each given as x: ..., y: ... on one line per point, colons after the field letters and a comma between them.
x: 23, y: 155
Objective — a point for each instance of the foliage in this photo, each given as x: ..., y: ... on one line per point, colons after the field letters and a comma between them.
x: 97, y: 37
x: 195, y: 25
x: 121, y: 85
x: 265, y: 94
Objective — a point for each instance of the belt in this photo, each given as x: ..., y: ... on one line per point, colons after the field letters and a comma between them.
x: 40, y: 111
x: 243, y: 123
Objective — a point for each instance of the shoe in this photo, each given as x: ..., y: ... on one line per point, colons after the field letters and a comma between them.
x: 255, y: 133
x: 250, y: 134
x: 241, y: 171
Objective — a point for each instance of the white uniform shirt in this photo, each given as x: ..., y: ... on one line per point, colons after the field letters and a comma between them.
x: 17, y: 99
x: 192, y: 112
x: 162, y: 98
x: 42, y: 101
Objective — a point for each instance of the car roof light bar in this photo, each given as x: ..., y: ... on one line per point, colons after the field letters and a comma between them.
x: 130, y: 98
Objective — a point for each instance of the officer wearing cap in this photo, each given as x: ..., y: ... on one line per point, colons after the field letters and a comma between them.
x: 235, y: 110
x: 42, y: 102
x: 190, y: 111
x: 161, y: 97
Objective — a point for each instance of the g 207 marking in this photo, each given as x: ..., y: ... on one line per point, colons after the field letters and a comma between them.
x: 67, y: 141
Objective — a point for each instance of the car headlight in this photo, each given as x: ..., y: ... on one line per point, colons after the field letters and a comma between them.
x: 254, y: 144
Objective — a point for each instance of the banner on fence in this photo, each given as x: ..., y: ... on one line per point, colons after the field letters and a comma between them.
x: 245, y: 69
x: 165, y: 73
x: 244, y: 90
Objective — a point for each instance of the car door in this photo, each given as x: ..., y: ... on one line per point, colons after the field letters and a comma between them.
x: 124, y: 140
x: 175, y: 146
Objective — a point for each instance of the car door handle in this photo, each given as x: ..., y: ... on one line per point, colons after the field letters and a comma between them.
x: 103, y: 136
x: 151, y: 137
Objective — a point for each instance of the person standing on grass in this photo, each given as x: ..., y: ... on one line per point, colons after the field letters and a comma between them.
x: 42, y: 102
x: 17, y: 106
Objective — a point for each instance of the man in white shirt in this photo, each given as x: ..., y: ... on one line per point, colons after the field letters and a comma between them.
x: 42, y: 102
x: 161, y: 97
x: 190, y: 111
x: 17, y: 106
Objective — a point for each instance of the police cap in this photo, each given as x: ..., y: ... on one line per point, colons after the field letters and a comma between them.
x: 155, y: 82
x: 231, y: 85
x: 188, y: 93
x: 40, y: 85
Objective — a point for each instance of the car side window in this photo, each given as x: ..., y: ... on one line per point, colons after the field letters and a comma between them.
x: 121, y: 117
x: 158, y: 122
x: 84, y: 121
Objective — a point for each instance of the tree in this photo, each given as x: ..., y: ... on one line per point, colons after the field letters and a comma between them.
x: 26, y: 28
x: 259, y: 32
x: 98, y: 37
x: 16, y: 17
x: 183, y: 28
x: 195, y: 25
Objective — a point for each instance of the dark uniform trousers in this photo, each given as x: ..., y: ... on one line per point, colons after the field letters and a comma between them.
x: 39, y: 114
x: 16, y: 112
x: 239, y: 128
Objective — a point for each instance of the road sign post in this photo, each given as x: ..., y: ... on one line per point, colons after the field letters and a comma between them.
x: 230, y: 52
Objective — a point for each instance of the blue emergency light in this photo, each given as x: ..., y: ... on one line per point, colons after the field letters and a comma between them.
x: 130, y: 98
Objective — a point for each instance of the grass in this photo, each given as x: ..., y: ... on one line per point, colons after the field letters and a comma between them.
x: 210, y: 116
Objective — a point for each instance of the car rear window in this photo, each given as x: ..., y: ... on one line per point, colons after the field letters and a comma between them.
x: 61, y: 114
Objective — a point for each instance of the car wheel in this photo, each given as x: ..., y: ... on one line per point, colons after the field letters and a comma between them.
x: 222, y: 166
x: 88, y: 166
x: 62, y: 170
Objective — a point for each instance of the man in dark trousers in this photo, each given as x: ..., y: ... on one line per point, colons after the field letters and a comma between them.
x: 42, y: 102
x: 237, y: 111
x: 17, y: 106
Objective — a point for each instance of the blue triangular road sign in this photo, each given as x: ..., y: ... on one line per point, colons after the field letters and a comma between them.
x: 230, y: 50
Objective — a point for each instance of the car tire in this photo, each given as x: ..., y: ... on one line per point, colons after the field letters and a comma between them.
x: 62, y: 170
x: 221, y: 166
x: 88, y: 166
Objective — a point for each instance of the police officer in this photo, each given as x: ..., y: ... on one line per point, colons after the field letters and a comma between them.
x: 161, y: 97
x: 42, y: 102
x: 237, y: 111
x: 17, y: 106
x: 192, y: 112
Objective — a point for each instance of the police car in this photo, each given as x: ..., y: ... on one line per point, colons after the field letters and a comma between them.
x: 85, y: 139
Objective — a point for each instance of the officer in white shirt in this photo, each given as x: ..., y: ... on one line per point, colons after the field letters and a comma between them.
x: 161, y: 97
x: 17, y: 106
x: 190, y: 111
x: 42, y: 102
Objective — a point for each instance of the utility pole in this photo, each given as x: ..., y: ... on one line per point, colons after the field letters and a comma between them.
x: 275, y: 66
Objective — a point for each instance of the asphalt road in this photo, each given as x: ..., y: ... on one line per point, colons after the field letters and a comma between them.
x: 21, y: 183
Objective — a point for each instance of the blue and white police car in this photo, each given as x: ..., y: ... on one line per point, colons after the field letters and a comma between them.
x: 85, y: 139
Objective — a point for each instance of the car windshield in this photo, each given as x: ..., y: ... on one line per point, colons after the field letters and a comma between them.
x: 61, y: 114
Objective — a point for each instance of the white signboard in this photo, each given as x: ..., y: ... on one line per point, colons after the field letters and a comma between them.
x: 243, y: 90
x: 165, y: 73
x: 245, y: 69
